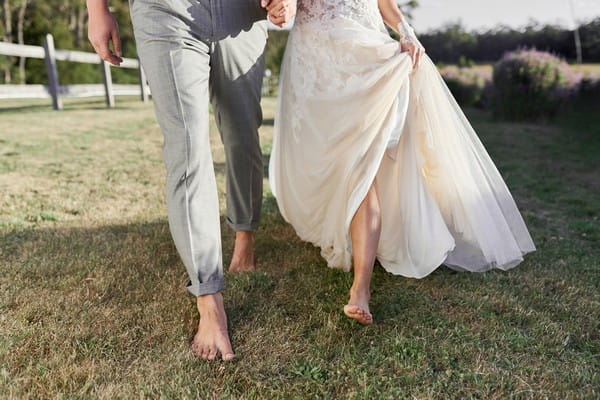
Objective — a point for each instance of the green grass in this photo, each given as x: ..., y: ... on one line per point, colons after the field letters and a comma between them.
x: 591, y: 69
x: 92, y: 303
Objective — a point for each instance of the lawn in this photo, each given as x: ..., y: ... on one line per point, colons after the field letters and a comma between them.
x: 92, y: 303
x: 589, y: 69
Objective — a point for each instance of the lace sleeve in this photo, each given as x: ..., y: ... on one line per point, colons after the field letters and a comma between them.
x: 407, y: 34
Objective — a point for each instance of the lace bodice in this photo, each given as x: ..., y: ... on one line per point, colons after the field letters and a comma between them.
x: 365, y: 12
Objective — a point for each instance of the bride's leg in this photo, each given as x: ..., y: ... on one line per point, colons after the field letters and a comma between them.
x: 365, y: 230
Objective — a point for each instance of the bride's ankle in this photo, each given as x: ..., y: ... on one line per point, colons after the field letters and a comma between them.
x: 361, y: 294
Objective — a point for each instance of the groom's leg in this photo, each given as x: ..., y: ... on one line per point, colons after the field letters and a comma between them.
x: 236, y: 80
x: 176, y: 62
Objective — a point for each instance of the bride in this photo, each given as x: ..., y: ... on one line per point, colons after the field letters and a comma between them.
x: 373, y: 159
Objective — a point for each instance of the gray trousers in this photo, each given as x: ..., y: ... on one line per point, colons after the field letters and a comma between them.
x: 193, y: 51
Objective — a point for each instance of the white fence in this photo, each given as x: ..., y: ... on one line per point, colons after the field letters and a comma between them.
x: 54, y: 90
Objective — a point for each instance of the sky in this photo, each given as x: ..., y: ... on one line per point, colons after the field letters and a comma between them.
x: 483, y: 14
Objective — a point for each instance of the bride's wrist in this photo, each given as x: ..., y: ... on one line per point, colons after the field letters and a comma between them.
x: 406, y: 32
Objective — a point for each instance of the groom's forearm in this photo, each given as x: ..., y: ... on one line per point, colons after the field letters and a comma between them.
x: 390, y: 13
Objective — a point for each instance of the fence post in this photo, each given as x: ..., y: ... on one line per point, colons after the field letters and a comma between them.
x: 52, y: 72
x: 108, y: 86
x: 143, y: 83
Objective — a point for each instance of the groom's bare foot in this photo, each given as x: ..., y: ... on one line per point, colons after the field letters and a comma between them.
x: 243, y: 253
x: 212, y: 337
x: 358, y: 307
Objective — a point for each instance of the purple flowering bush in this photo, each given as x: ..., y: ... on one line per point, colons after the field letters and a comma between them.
x: 468, y: 85
x: 531, y: 84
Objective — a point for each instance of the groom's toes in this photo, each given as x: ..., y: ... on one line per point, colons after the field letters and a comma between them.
x: 240, y: 267
x: 228, y: 356
x: 205, y: 352
x: 225, y: 349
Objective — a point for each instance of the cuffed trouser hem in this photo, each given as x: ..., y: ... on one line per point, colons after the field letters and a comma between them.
x: 249, y: 226
x: 201, y: 289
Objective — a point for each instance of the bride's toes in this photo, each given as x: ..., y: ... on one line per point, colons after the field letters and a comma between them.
x: 355, y: 312
x: 351, y: 310
x: 365, y: 318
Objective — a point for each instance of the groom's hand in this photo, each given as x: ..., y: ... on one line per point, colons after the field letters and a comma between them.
x: 103, y: 29
x: 280, y: 11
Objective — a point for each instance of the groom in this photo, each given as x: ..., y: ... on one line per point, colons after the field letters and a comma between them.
x: 193, y: 52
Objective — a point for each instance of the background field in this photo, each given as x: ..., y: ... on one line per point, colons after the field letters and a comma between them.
x: 92, y: 303
x: 592, y: 70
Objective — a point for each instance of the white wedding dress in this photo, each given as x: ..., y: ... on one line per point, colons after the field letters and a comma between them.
x: 352, y: 111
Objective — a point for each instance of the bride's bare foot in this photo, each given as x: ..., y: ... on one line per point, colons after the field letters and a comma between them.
x: 212, y: 337
x: 358, y: 307
x: 243, y: 253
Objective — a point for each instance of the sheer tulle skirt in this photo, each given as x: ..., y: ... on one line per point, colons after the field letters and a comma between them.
x: 352, y: 112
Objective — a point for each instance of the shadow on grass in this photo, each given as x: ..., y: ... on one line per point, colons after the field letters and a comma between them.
x: 121, y: 264
x: 103, y: 291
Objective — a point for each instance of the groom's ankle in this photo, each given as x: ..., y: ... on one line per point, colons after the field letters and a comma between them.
x: 208, y: 302
x: 244, y: 236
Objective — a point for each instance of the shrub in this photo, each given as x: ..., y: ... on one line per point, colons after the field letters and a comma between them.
x: 467, y: 85
x: 531, y: 84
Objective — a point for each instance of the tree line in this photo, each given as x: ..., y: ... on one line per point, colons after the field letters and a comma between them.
x: 28, y: 22
x: 451, y: 42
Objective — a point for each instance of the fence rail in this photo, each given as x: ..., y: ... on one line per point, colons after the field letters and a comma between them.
x: 65, y: 91
x: 56, y: 91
